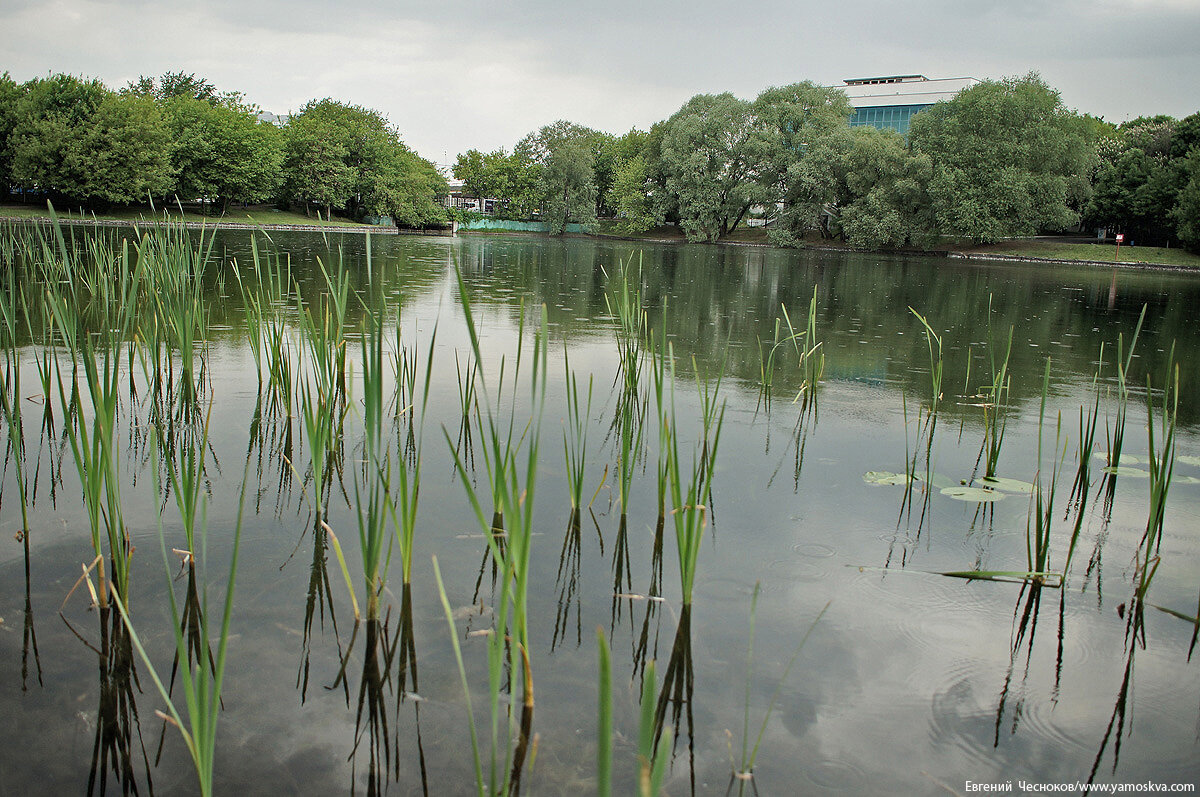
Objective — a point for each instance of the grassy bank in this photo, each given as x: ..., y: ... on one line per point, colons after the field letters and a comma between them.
x: 1102, y: 253
x: 259, y: 214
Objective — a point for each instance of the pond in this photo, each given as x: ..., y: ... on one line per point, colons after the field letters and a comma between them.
x: 827, y: 512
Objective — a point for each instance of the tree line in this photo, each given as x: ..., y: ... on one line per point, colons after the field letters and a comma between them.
x: 1003, y: 158
x: 177, y: 139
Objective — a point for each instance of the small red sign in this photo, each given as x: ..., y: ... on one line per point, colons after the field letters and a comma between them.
x: 1120, y: 237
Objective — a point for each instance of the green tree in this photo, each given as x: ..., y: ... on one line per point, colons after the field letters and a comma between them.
x: 221, y: 151
x: 351, y: 157
x: 1186, y: 136
x: 1137, y: 194
x: 618, y: 153
x: 706, y: 160
x: 314, y: 164
x: 1008, y: 159
x: 563, y: 155
x: 1187, y: 204
x: 174, y: 85
x: 788, y: 121
x: 630, y: 198
x: 501, y: 176
x: 10, y: 97
x: 861, y: 184
x: 76, y: 140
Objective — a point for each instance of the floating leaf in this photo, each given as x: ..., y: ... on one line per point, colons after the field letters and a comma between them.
x: 963, y: 493
x: 1133, y: 473
x: 885, y: 477
x: 1188, y: 459
x: 1007, y: 485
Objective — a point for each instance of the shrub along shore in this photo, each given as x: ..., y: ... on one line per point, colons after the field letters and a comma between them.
x: 266, y: 218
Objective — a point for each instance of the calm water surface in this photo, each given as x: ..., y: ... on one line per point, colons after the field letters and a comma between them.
x: 911, y: 681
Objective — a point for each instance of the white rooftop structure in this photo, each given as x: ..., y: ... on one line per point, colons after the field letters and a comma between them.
x: 889, y: 102
x: 874, y: 92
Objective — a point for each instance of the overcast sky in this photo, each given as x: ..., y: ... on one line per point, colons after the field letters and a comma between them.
x: 458, y: 74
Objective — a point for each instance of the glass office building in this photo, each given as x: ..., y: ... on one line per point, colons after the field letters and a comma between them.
x: 890, y: 102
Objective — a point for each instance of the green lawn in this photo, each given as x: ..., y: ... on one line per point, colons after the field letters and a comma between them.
x: 255, y: 215
x: 1152, y: 255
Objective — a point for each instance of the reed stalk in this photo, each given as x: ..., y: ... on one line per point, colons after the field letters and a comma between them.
x: 1037, y: 526
x: 513, y: 491
x: 743, y: 771
x: 935, y: 362
x: 995, y: 404
x: 575, y: 435
x: 689, y: 489
x: 1162, y: 467
x: 202, y: 685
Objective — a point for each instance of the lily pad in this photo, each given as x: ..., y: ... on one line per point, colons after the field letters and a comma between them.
x: 1132, y: 473
x: 1007, y: 485
x: 976, y: 494
x: 1124, y: 459
x: 1188, y: 459
x: 885, y: 477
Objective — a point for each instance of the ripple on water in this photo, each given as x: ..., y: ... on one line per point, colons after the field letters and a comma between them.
x: 964, y: 720
x: 1040, y: 722
x: 814, y: 550
x: 797, y: 569
x: 837, y: 775
x: 928, y: 611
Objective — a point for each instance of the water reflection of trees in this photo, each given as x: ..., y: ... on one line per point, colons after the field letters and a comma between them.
x: 724, y: 298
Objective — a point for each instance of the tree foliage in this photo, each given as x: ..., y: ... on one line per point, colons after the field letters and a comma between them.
x: 788, y: 121
x: 563, y: 156
x: 75, y: 139
x: 221, y: 151
x: 10, y: 96
x: 1187, y: 205
x: 1008, y: 159
x: 862, y: 184
x: 502, y: 176
x: 350, y: 157
x: 706, y: 159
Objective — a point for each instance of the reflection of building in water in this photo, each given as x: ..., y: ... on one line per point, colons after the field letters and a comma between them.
x: 889, y: 103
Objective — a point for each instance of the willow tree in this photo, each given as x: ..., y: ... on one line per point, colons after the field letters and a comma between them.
x: 1008, y: 159
x: 707, y: 161
x: 563, y: 157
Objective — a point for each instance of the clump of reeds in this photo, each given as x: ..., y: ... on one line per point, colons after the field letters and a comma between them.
x: 625, y: 306
x: 935, y: 363
x: 202, y: 681
x: 1081, y: 486
x: 1037, y: 527
x: 93, y: 441
x: 651, y: 754
x: 174, y: 271
x: 1162, y: 467
x: 995, y: 400
x: 512, y: 488
x: 689, y: 487
x: 810, y: 359
x: 10, y: 397
x: 1116, y: 435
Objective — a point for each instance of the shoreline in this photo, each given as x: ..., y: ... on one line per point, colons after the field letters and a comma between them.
x: 364, y: 229
x: 204, y: 225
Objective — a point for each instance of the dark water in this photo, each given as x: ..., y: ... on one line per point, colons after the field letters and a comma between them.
x: 911, y: 682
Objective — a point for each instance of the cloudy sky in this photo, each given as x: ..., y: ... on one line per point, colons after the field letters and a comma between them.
x: 457, y: 74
